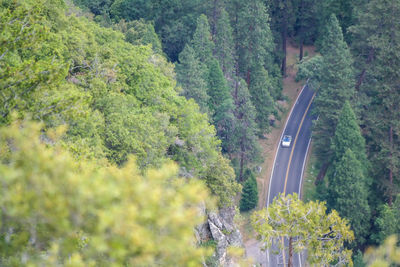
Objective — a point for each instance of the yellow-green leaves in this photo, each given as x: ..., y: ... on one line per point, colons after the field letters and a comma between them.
x: 323, y: 235
x: 55, y: 210
x: 117, y: 99
x: 386, y: 255
x: 29, y: 56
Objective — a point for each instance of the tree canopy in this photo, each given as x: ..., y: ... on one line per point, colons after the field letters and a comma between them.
x: 58, y: 210
x: 307, y: 226
x: 117, y: 98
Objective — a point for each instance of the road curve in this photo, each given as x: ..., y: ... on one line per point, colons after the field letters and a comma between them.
x: 287, y: 172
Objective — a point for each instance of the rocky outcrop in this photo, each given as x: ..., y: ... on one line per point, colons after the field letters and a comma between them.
x: 221, y: 228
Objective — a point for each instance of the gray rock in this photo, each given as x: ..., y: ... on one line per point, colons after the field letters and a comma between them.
x: 223, y: 230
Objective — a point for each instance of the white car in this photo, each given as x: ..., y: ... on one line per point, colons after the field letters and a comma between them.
x: 286, y: 140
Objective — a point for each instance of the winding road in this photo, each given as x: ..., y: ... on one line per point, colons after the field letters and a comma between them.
x: 289, y: 163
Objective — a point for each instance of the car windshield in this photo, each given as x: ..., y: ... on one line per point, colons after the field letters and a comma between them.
x: 286, y: 138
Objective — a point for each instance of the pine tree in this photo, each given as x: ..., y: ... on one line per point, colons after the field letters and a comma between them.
x: 348, y: 136
x: 306, y: 24
x: 220, y: 105
x: 190, y: 75
x: 261, y: 98
x: 253, y: 45
x: 246, y: 147
x: 254, y: 38
x: 202, y: 42
x: 344, y: 10
x: 283, y: 17
x: 333, y: 75
x: 224, y: 45
x: 174, y: 20
x: 348, y: 194
x: 377, y: 46
x: 388, y: 221
x: 249, y: 198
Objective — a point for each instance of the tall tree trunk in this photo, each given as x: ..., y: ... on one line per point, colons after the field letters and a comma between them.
x: 301, y: 49
x: 241, y: 164
x: 301, y: 30
x: 290, y: 261
x: 322, y: 172
x: 284, y: 38
x: 248, y: 77
x: 362, y: 75
x: 390, y: 166
x: 235, y: 31
x: 235, y: 92
x: 214, y: 18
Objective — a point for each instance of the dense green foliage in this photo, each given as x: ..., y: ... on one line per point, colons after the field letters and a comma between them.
x: 348, y: 194
x: 28, y: 61
x: 174, y: 20
x: 347, y: 177
x: 79, y: 200
x: 220, y: 104
x: 191, y: 75
x: 332, y: 74
x: 118, y: 99
x: 234, y: 33
x: 247, y: 149
x: 115, y: 90
x: 348, y: 136
x: 376, y: 45
x: 58, y: 211
x: 213, y: 59
x: 138, y: 32
x: 388, y: 222
x: 224, y: 50
x: 362, y: 168
x: 249, y: 197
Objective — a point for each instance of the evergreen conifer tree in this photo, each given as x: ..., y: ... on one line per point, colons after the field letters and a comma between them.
x: 220, y: 105
x: 336, y: 85
x: 253, y: 45
x: 345, y: 11
x: 306, y: 24
x: 261, y: 97
x: 202, y: 42
x: 376, y: 46
x: 249, y: 198
x: 283, y: 18
x: 246, y: 144
x: 348, y: 136
x: 348, y: 176
x: 333, y: 75
x: 254, y: 38
x: 190, y: 74
x: 388, y: 221
x: 224, y: 45
x: 348, y: 194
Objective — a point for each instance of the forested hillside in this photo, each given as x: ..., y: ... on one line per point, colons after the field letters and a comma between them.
x: 80, y: 193
x: 127, y: 124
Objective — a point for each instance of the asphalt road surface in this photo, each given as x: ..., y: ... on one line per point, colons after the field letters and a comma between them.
x: 288, y: 169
